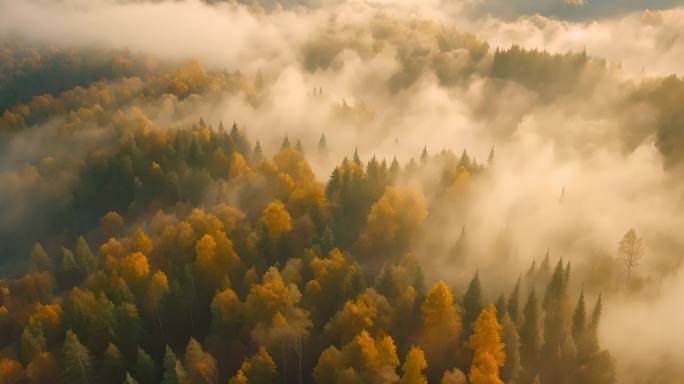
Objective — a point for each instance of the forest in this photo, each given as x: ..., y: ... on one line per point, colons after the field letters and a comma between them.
x: 336, y: 192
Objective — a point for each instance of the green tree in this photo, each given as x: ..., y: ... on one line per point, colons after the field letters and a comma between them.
x: 472, y: 304
x: 174, y: 373
x: 510, y: 372
x: 145, y: 368
x: 78, y: 363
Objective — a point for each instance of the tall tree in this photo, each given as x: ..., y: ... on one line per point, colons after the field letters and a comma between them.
x: 78, y: 363
x: 510, y: 372
x: 488, y: 349
x: 472, y: 304
x: 174, y: 373
x: 630, y: 252
x: 413, y: 367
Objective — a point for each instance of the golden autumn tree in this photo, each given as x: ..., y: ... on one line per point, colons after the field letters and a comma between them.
x: 442, y: 326
x: 393, y: 222
x: 11, y: 372
x: 276, y: 220
x: 364, y: 360
x: 135, y: 268
x: 413, y: 367
x: 487, y: 347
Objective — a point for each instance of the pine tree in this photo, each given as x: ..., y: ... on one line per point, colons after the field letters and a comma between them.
x: 356, y: 158
x: 257, y: 153
x: 424, y: 155
x: 78, y: 363
x: 174, y: 373
x: 129, y: 379
x: 112, y: 365
x: 322, y: 144
x: 286, y: 143
x: 472, y: 304
x: 33, y: 340
x: 510, y: 371
x: 579, y: 325
x: 530, y: 335
x: 513, y: 304
x: 40, y: 260
x: 298, y: 146
x: 500, y: 307
x: 558, y: 346
x: 145, y: 368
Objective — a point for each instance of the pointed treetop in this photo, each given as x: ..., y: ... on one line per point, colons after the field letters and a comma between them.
x: 322, y: 143
x: 298, y: 146
x: 596, y: 313
x: 356, y: 158
x: 286, y: 142
x: 424, y: 154
x: 220, y: 127
x: 257, y: 153
x: 490, y: 159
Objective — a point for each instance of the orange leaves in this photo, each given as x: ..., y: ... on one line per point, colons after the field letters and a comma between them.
x: 11, y: 372
x: 49, y: 314
x: 413, y: 367
x: 363, y: 360
x: 134, y: 268
x: 488, y: 348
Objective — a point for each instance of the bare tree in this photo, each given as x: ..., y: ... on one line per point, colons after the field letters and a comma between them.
x: 630, y: 251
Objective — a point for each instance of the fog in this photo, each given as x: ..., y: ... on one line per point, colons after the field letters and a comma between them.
x: 384, y: 94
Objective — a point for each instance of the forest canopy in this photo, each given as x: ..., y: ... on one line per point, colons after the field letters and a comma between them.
x: 338, y: 192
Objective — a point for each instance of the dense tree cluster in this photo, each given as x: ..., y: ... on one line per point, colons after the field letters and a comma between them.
x: 203, y: 262
x: 184, y: 254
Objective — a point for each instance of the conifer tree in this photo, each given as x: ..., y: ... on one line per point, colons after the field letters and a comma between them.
x: 530, y: 335
x: 286, y: 143
x: 513, y: 304
x: 78, y: 363
x: 257, y: 153
x: 200, y: 365
x: 510, y: 371
x: 33, y: 340
x: 145, y: 368
x: 472, y: 304
x: 174, y: 373
x: 129, y: 379
x: 322, y: 144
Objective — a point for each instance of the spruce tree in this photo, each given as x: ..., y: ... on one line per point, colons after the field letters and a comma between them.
x: 472, y: 304
x: 78, y: 363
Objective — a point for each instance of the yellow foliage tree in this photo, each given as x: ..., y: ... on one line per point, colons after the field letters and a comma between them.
x: 134, y: 268
x: 413, y: 367
x: 393, y: 222
x: 442, y: 325
x: 487, y: 347
x: 276, y: 220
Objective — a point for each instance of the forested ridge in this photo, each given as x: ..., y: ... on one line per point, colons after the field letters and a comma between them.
x: 166, y: 248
